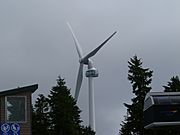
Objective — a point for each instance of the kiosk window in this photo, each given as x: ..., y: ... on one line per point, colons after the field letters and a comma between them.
x: 147, y: 103
x: 15, y: 109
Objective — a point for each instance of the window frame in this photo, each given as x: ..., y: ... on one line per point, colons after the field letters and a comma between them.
x: 25, y: 100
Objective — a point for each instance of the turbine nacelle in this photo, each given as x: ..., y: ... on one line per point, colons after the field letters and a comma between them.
x: 93, y: 72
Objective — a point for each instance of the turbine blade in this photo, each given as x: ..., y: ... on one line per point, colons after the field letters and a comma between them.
x: 78, y: 47
x: 99, y: 47
x: 79, y: 81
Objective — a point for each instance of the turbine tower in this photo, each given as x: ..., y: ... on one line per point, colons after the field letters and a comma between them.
x: 90, y: 74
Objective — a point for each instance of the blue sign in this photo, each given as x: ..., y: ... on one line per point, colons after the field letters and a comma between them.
x: 10, y: 129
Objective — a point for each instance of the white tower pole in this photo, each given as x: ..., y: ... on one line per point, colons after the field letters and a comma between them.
x: 91, y: 99
x: 91, y: 104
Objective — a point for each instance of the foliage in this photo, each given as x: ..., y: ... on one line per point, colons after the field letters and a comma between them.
x: 140, y: 78
x: 58, y: 114
x: 87, y: 131
x: 40, y: 117
x: 64, y: 113
x: 173, y: 85
x: 126, y: 128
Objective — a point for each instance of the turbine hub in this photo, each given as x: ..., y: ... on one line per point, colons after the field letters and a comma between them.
x: 84, y: 61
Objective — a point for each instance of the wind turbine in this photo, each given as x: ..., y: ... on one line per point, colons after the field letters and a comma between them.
x: 90, y: 73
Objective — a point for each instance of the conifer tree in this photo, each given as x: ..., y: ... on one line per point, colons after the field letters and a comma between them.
x: 40, y: 117
x: 64, y: 113
x: 173, y: 85
x: 58, y: 113
x: 140, y: 78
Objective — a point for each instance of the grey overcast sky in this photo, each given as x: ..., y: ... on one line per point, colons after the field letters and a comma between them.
x: 36, y: 46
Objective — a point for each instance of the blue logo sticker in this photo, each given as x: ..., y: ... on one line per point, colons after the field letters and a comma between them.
x: 10, y: 129
x: 5, y: 128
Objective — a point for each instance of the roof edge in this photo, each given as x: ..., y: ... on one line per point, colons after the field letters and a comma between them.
x: 161, y: 94
x: 30, y: 88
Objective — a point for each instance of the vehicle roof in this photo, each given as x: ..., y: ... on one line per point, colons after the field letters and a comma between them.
x: 162, y: 94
